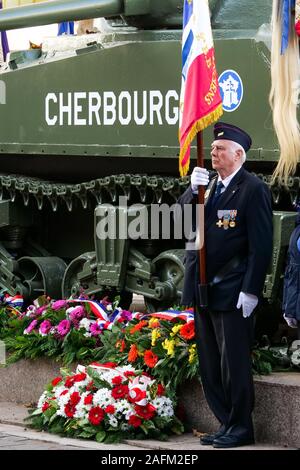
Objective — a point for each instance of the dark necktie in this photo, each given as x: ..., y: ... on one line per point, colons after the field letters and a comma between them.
x: 217, y: 193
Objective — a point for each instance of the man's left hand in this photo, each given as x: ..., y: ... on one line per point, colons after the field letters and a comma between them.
x: 248, y: 303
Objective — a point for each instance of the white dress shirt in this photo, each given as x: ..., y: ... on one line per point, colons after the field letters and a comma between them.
x: 227, y: 180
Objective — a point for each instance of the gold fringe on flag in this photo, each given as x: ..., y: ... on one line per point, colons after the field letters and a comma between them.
x: 198, y: 126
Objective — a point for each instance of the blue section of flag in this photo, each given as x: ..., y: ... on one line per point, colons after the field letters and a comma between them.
x: 186, y: 52
x: 188, y: 33
x: 187, y: 11
x: 287, y: 6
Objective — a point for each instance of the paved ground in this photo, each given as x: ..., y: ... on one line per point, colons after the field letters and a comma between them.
x: 18, y: 438
x: 15, y: 436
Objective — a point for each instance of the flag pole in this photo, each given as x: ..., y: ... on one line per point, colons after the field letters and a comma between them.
x: 201, y: 253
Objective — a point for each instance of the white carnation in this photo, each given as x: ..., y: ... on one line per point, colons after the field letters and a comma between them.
x: 113, y: 421
x: 85, y: 323
x: 103, y: 397
x: 164, y: 406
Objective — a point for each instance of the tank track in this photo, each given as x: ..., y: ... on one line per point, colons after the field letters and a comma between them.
x: 138, y: 188
x: 292, y: 189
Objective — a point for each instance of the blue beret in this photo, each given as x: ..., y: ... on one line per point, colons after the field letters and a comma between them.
x: 229, y: 132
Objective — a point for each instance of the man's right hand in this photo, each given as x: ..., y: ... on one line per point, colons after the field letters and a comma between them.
x: 199, y: 177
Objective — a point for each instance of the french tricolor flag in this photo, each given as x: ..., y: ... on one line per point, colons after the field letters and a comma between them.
x: 200, y: 99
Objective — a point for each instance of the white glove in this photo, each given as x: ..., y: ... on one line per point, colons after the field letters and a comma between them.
x: 248, y: 303
x: 199, y: 177
x: 292, y: 322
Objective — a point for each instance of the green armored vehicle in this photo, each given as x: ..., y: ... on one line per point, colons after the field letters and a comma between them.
x: 95, y: 118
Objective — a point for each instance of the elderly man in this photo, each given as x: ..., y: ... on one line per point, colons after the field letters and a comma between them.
x: 238, y: 240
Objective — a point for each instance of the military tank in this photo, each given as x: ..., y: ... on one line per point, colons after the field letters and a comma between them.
x: 84, y: 125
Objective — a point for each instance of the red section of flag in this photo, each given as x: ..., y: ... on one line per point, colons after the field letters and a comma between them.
x: 202, y: 103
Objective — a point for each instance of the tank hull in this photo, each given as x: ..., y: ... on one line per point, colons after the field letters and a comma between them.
x: 127, y: 104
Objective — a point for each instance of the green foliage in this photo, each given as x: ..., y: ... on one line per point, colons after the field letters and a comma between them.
x: 264, y: 361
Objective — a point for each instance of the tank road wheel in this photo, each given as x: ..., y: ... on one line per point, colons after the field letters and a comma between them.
x: 41, y: 275
x: 71, y: 284
x: 169, y: 269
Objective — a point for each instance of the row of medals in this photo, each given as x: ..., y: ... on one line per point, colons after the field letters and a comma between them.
x: 226, y: 218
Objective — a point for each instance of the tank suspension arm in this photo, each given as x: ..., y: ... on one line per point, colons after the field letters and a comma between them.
x: 57, y: 11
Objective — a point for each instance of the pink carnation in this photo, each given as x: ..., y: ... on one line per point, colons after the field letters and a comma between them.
x: 77, y: 314
x: 95, y: 329
x: 41, y: 309
x: 63, y: 327
x: 31, y: 327
x: 45, y: 327
x: 58, y: 304
x: 126, y: 315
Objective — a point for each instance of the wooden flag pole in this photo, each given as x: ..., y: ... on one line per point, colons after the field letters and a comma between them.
x: 201, y: 252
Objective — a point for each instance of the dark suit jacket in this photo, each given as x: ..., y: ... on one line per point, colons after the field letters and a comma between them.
x: 250, y: 239
x: 291, y: 287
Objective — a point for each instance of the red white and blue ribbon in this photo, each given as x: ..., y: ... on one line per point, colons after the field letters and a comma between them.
x: 96, y: 308
x: 13, y: 300
x: 185, y: 315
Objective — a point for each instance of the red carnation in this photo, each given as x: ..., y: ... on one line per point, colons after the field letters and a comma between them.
x: 187, y: 331
x: 56, y: 381
x: 88, y: 400
x: 70, y: 410
x: 69, y: 382
x: 64, y: 392
x: 110, y: 409
x: 145, y: 412
x: 74, y: 398
x: 121, y: 391
x: 45, y: 406
x: 134, y: 421
x: 96, y: 415
x: 117, y: 380
x: 150, y: 358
